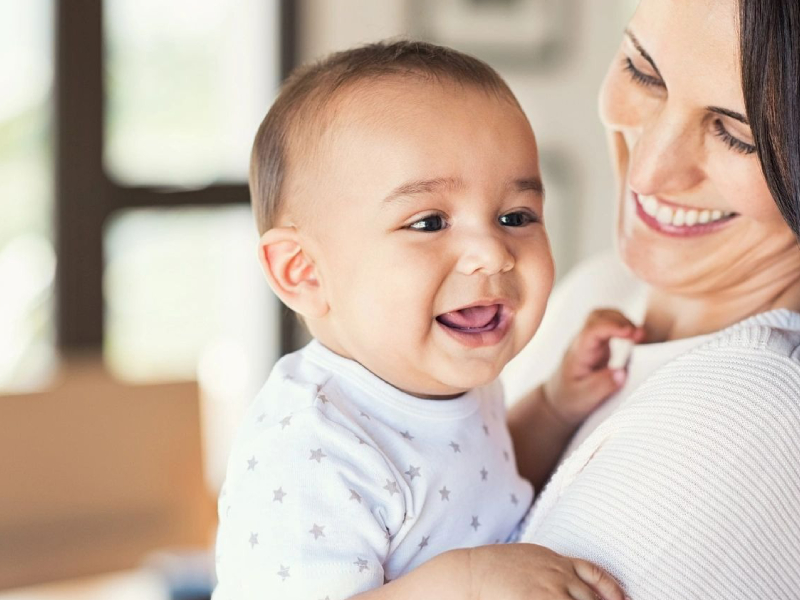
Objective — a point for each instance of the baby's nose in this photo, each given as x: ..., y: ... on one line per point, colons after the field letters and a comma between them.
x: 486, y: 254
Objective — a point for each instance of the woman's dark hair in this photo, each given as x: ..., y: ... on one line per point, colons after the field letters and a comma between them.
x: 770, y: 60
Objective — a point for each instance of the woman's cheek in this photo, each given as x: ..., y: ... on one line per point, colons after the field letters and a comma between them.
x: 741, y: 184
x: 615, y: 98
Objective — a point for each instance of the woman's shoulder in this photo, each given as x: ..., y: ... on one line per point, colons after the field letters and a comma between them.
x: 743, y: 384
x: 761, y: 354
x: 775, y: 333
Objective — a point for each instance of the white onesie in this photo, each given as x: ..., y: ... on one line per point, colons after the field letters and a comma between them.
x: 338, y: 482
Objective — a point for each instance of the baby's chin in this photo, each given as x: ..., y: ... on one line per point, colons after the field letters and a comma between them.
x: 453, y: 382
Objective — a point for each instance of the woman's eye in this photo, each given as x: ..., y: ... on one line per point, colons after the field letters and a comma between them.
x: 733, y: 143
x: 641, y: 78
x: 430, y: 223
x: 518, y: 219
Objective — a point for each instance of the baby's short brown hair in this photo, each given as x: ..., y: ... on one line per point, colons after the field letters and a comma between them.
x: 310, y: 88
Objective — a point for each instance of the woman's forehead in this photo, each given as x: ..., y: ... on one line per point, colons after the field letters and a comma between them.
x: 695, y: 45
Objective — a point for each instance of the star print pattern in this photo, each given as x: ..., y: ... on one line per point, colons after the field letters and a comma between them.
x: 391, y: 487
x: 412, y: 472
x: 349, y: 468
x: 363, y: 565
x: 317, y: 531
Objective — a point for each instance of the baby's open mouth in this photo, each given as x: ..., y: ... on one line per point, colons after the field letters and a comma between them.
x: 475, y: 319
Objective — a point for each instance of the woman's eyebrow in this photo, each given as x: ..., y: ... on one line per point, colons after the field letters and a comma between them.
x: 642, y: 51
x: 729, y: 113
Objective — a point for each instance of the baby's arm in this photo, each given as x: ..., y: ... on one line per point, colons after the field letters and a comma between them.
x: 501, y: 572
x: 543, y: 422
x: 307, y: 512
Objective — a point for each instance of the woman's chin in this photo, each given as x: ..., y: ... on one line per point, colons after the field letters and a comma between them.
x: 660, y: 265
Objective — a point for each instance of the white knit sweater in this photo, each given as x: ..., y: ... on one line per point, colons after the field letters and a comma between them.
x: 691, y: 489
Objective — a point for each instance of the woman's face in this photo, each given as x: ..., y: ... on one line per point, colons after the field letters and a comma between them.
x: 695, y: 215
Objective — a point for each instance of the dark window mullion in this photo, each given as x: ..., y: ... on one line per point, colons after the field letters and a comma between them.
x: 153, y: 197
x: 81, y: 193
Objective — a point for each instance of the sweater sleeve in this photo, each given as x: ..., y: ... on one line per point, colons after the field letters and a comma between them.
x: 692, y: 490
x: 306, y: 512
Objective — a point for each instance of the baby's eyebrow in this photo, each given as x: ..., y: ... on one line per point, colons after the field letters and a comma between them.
x: 428, y: 186
x: 424, y: 186
x: 529, y: 184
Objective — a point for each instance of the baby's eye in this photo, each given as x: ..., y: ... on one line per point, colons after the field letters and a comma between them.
x: 518, y: 219
x: 429, y: 223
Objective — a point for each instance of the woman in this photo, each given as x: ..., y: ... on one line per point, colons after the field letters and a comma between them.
x: 686, y: 484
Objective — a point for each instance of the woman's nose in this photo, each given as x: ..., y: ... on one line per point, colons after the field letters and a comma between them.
x: 666, y: 154
x: 485, y: 253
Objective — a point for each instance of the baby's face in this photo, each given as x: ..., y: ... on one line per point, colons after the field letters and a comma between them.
x: 427, y: 234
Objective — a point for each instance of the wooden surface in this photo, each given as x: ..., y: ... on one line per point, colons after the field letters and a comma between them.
x: 95, y: 474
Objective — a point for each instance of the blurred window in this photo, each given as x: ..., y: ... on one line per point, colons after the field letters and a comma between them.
x: 187, y: 84
x: 27, y: 261
x: 182, y: 287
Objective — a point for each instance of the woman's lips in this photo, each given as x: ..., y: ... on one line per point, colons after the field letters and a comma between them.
x: 476, y: 326
x: 677, y: 221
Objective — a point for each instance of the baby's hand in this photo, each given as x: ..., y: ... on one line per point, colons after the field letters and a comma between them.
x: 584, y: 379
x: 531, y: 572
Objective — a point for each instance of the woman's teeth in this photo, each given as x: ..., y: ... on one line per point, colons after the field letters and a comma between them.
x: 680, y: 217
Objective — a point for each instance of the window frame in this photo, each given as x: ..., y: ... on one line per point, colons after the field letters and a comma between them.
x: 86, y: 197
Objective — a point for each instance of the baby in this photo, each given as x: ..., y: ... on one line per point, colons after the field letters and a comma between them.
x: 398, y: 194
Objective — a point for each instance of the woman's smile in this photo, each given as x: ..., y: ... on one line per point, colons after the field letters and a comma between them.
x: 679, y: 221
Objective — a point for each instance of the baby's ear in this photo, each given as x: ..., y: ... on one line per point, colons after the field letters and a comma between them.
x: 291, y: 273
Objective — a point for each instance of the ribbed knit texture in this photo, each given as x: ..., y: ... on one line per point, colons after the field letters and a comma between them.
x: 692, y: 488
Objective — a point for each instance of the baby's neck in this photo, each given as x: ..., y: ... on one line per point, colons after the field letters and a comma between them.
x: 340, y: 351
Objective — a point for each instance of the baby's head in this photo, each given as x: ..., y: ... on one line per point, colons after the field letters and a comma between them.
x: 397, y: 191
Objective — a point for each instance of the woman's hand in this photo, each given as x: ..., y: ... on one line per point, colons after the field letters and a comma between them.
x: 584, y: 378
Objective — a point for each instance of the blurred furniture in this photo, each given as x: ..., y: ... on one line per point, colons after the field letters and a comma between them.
x: 95, y: 474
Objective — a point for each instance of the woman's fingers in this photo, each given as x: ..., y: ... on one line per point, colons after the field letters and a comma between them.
x: 601, y: 582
